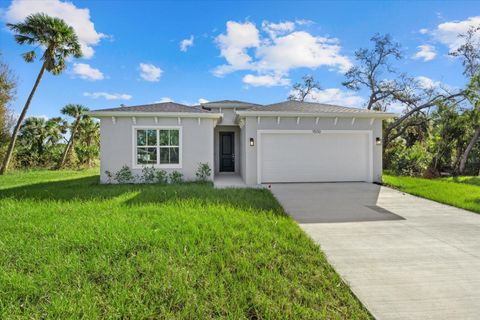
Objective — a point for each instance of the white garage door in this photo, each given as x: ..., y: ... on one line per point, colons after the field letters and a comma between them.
x: 315, y: 157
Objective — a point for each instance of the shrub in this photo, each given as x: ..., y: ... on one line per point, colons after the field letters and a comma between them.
x: 176, y: 177
x: 148, y: 174
x: 161, y: 176
x: 411, y: 161
x: 109, y: 176
x: 203, y: 172
x: 124, y: 175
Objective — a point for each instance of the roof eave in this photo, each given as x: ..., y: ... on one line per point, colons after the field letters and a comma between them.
x: 383, y: 115
x: 99, y: 114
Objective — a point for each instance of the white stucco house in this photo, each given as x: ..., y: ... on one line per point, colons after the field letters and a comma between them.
x: 289, y: 141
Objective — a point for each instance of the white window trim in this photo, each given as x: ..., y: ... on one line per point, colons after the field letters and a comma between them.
x: 158, y: 165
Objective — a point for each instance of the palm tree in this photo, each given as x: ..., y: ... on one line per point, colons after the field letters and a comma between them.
x: 76, y: 111
x: 88, y: 140
x: 59, y: 41
x: 55, y: 128
x: 32, y: 134
x: 89, y: 131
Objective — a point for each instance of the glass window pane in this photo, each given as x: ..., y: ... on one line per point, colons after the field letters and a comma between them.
x: 174, y: 155
x: 141, y: 137
x: 151, y: 137
x: 146, y: 155
x: 164, y: 156
x: 174, y: 135
x: 164, y: 137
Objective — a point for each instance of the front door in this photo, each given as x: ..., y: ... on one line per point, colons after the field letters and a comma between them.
x: 227, y: 153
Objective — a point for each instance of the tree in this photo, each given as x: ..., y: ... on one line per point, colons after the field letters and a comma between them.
x: 38, y: 140
x: 59, y: 42
x: 373, y: 68
x: 469, y: 52
x: 417, y: 99
x: 76, y: 111
x: 374, y: 71
x: 301, y: 91
x: 8, y: 85
x: 87, y: 143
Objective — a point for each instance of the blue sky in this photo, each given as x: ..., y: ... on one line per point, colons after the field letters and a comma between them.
x: 248, y: 50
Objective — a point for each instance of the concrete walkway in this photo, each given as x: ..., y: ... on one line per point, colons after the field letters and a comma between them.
x: 424, y: 266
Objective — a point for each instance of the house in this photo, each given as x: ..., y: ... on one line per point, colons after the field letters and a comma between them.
x: 289, y: 141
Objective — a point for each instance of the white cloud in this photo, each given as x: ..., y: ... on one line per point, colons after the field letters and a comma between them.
x: 304, y: 22
x: 265, y: 80
x: 78, y: 18
x: 108, y: 96
x: 234, y: 44
x: 86, y: 72
x: 423, y: 31
x: 427, y: 83
x: 275, y: 29
x: 397, y: 107
x: 186, y: 43
x: 336, y: 96
x: 149, y: 72
x: 202, y: 100
x: 164, y: 99
x: 425, y: 52
x: 300, y: 49
x: 447, y: 32
x: 275, y: 52
x: 42, y: 116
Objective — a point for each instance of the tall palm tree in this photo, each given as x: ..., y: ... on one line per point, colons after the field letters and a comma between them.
x: 59, y: 41
x: 76, y: 111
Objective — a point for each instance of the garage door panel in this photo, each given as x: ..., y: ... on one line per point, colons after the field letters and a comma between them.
x: 308, y: 157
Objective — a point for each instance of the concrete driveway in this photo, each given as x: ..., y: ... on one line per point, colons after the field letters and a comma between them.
x: 410, y: 259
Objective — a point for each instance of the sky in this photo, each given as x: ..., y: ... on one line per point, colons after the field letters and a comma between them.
x: 140, y: 52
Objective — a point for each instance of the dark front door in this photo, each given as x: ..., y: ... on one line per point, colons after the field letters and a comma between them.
x: 227, y: 153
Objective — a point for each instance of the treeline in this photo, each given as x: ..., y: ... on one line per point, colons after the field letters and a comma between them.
x: 52, y: 143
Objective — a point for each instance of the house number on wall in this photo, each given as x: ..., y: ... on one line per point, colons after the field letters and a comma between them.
x: 316, y: 131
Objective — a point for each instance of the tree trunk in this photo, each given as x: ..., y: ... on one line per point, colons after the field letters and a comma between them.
x: 69, y: 144
x: 471, y: 144
x: 13, y: 140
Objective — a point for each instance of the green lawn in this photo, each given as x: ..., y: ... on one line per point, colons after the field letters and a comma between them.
x: 462, y: 192
x: 71, y: 248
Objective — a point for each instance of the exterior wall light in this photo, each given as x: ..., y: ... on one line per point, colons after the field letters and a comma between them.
x: 252, y: 142
x: 378, y: 141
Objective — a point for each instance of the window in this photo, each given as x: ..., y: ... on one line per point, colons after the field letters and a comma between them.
x: 157, y: 146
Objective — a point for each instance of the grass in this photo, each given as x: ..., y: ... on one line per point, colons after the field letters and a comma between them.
x: 71, y: 248
x: 461, y: 192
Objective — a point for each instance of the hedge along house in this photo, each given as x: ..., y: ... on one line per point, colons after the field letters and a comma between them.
x: 290, y: 141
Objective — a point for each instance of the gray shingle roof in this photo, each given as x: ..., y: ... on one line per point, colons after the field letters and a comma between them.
x: 157, y: 107
x: 230, y: 104
x: 308, y: 107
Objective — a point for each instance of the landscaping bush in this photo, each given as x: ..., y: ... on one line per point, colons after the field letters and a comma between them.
x: 203, y: 172
x: 161, y: 176
x: 176, y: 177
x: 148, y: 174
x: 109, y: 176
x: 124, y: 175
